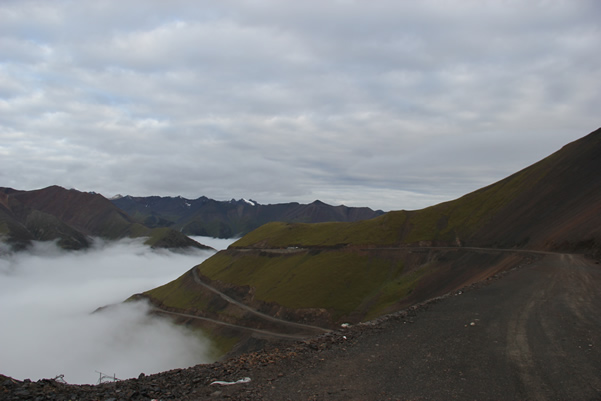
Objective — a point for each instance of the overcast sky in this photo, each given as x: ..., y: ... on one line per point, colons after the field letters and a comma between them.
x: 386, y: 104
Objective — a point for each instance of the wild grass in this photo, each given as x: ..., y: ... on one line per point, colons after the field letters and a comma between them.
x: 395, y: 290
x: 337, y: 280
x: 379, y: 230
x: 447, y: 221
x: 179, y: 294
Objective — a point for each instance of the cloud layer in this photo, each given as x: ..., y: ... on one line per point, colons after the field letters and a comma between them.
x: 46, y: 300
x: 389, y: 104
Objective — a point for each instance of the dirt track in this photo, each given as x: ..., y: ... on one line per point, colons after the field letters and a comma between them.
x: 535, y: 334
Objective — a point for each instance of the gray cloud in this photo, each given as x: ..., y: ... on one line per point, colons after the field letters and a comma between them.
x: 389, y: 105
x: 46, y: 300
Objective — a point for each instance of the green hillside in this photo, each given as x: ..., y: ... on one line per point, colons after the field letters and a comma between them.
x: 328, y: 273
x: 450, y: 223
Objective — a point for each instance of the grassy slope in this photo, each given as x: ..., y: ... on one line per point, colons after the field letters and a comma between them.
x: 337, y: 273
x: 350, y: 284
x: 519, y: 209
x: 337, y: 281
x: 447, y: 222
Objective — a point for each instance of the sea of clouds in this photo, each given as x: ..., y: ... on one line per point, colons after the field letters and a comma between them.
x: 47, y: 327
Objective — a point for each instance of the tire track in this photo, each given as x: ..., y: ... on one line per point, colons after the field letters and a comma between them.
x: 552, y: 332
x: 520, y: 353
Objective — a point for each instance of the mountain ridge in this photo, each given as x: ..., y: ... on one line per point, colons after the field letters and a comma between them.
x: 71, y: 217
x: 227, y: 219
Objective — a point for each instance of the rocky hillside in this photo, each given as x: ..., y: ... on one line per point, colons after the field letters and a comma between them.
x: 227, y: 219
x: 329, y: 273
x: 71, y: 217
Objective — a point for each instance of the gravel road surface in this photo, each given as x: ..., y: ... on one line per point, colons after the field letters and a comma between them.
x: 534, y: 334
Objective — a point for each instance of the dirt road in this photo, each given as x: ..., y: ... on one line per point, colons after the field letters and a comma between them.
x: 258, y: 332
x: 301, y: 326
x: 535, y: 334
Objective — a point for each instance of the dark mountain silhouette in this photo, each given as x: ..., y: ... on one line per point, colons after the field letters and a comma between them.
x: 328, y: 273
x: 226, y: 219
x: 71, y: 217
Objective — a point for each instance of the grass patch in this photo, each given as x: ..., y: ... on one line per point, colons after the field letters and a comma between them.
x: 179, y: 294
x: 380, y: 230
x: 339, y: 281
x: 395, y: 290
x: 4, y: 228
x: 220, y: 344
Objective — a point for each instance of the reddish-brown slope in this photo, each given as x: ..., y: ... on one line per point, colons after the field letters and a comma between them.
x: 92, y: 214
x: 71, y: 216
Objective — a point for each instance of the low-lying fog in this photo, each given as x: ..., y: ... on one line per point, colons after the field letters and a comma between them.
x: 47, y: 328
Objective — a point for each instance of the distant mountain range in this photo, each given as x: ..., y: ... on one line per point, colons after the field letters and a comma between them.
x: 71, y: 218
x: 227, y: 219
x: 329, y: 273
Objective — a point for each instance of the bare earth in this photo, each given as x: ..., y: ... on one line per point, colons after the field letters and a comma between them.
x: 534, y: 334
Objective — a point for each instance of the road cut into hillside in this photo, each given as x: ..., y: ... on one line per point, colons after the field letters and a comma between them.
x: 535, y: 334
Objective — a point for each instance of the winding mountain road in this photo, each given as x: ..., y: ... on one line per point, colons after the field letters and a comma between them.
x: 312, y: 328
x: 535, y: 334
x: 264, y: 333
x: 303, y: 330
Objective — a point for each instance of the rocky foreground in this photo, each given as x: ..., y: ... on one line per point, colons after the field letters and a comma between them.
x: 263, y: 368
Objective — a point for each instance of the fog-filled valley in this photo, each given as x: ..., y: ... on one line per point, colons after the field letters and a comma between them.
x: 47, y: 297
